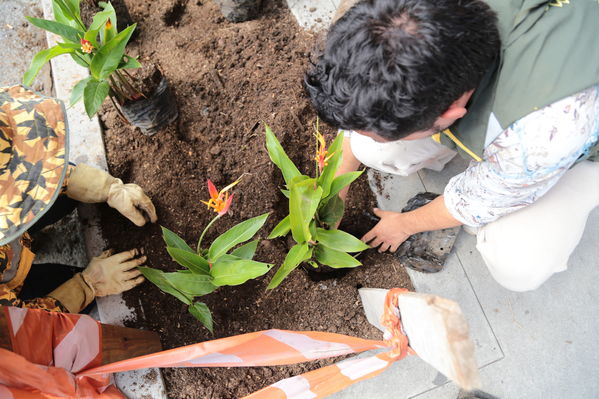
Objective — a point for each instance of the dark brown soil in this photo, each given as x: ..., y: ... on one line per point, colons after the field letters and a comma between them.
x: 228, y: 78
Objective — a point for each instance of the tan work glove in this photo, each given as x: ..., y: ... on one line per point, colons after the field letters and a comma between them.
x: 109, y: 275
x: 92, y: 185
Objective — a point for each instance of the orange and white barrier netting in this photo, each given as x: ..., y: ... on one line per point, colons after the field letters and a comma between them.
x: 59, y: 355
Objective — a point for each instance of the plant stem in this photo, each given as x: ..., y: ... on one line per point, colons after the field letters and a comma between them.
x: 119, y: 110
x: 204, y: 232
x: 117, y: 90
x: 127, y: 83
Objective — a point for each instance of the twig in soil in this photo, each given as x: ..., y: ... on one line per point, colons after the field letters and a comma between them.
x: 218, y: 78
x: 250, y: 132
x: 297, y: 121
x: 119, y: 111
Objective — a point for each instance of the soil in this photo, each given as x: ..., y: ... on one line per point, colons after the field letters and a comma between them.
x: 228, y: 79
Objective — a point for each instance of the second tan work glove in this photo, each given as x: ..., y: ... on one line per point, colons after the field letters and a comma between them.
x: 91, y: 185
x: 109, y: 275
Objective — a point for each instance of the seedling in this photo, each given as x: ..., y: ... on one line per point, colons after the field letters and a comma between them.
x: 99, y: 48
x: 216, y: 266
x: 314, y: 209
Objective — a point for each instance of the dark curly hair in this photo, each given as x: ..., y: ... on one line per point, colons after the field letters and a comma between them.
x: 394, y: 66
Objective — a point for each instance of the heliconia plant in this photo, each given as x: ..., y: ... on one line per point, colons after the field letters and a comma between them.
x: 314, y: 209
x: 206, y: 269
x: 99, y: 48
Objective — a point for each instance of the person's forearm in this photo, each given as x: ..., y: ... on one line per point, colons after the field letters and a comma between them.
x: 432, y: 216
x: 349, y: 163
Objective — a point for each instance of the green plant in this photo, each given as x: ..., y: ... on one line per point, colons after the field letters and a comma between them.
x: 99, y: 48
x: 314, y: 209
x: 216, y: 266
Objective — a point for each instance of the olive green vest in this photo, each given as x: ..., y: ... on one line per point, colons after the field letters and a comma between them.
x: 550, y: 50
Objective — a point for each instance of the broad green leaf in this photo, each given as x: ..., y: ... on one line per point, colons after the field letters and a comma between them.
x: 92, y: 36
x: 40, y: 59
x: 173, y: 240
x: 339, y: 240
x: 108, y: 57
x: 108, y: 34
x: 129, y: 63
x: 246, y: 251
x: 296, y: 255
x: 82, y: 59
x: 333, y: 258
x: 77, y: 92
x: 74, y: 46
x: 100, y: 19
x: 341, y: 181
x: 193, y: 262
x: 159, y: 280
x: 280, y: 229
x: 190, y: 283
x: 235, y: 235
x: 94, y: 94
x: 329, y: 171
x: 67, y: 32
x: 237, y: 271
x: 303, y: 203
x: 332, y: 211
x: 200, y: 311
x: 279, y: 157
x: 67, y: 11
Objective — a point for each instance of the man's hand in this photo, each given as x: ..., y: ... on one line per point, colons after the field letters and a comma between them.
x: 392, y: 230
x: 109, y: 275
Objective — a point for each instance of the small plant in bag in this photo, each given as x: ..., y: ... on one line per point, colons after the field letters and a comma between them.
x: 314, y: 209
x: 100, y: 48
x: 206, y: 269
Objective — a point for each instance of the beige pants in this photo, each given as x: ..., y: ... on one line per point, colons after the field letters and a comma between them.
x: 523, y: 249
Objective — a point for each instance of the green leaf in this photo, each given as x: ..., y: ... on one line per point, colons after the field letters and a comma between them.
x: 339, y: 240
x: 40, y: 59
x: 77, y: 92
x: 332, y: 211
x: 74, y: 46
x: 157, y: 277
x: 235, y: 235
x: 173, y: 240
x: 92, y: 36
x: 129, y: 63
x: 237, y: 271
x: 341, y: 181
x: 108, y: 34
x: 94, y: 94
x: 82, y: 59
x: 65, y: 31
x: 108, y: 57
x: 280, y: 229
x: 190, y: 283
x: 333, y: 258
x: 329, y: 171
x: 193, y: 262
x: 100, y: 19
x: 246, y: 251
x: 303, y: 203
x: 286, y: 193
x: 296, y: 255
x: 279, y: 157
x: 200, y: 311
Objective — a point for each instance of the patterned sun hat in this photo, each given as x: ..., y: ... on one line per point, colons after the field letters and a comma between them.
x: 33, y: 157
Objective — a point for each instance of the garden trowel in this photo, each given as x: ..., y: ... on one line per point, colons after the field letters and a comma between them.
x: 436, y: 329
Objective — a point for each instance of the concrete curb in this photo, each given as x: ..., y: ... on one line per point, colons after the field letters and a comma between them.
x: 87, y: 146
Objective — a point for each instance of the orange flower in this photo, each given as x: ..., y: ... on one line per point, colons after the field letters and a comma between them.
x: 322, y: 155
x: 108, y: 24
x: 220, y: 201
x: 86, y: 46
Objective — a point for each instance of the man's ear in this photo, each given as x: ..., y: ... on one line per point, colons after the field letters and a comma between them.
x: 458, y: 109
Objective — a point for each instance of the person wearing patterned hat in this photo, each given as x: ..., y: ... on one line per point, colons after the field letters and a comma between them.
x: 37, y: 187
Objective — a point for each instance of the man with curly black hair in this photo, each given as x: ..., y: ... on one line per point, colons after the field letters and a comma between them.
x: 512, y: 86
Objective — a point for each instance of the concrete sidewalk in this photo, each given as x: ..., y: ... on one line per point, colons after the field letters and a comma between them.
x: 540, y: 344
